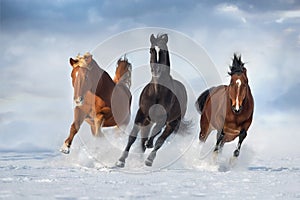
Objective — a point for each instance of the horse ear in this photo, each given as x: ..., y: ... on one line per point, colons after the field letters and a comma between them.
x: 245, y: 71
x: 120, y: 59
x: 72, y: 62
x: 152, y: 39
x: 165, y: 38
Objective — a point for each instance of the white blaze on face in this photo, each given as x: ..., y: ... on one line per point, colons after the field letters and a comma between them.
x: 157, y: 52
x: 76, y: 74
x: 237, y: 103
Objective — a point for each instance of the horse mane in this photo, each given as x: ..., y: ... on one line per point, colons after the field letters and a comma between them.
x: 125, y: 79
x: 237, y: 66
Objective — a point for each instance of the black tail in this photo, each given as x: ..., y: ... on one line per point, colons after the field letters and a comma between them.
x: 202, y: 99
x: 184, y: 126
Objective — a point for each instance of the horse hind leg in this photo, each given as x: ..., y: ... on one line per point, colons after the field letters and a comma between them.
x: 98, y: 124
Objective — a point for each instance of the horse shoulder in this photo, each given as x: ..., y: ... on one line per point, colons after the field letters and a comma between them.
x: 148, y: 90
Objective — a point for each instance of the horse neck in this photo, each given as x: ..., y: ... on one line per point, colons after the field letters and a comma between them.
x: 125, y: 79
x: 96, y: 74
x: 165, y: 80
x: 248, y: 99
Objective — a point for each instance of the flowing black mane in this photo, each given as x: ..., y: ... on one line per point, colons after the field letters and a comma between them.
x: 237, y: 66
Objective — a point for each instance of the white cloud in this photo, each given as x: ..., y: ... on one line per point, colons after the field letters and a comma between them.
x: 231, y: 10
x: 288, y: 14
x: 93, y: 16
x: 227, y: 8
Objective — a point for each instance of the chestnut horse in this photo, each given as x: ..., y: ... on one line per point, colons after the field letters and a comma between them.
x: 99, y: 100
x: 163, y: 102
x: 227, y: 109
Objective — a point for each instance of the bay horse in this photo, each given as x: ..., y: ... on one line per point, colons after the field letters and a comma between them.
x: 99, y: 100
x: 162, y: 103
x: 227, y: 108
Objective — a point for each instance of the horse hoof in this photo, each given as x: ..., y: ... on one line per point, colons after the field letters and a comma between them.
x: 149, y: 146
x: 236, y: 153
x: 120, y: 164
x: 65, y: 149
x: 148, y: 163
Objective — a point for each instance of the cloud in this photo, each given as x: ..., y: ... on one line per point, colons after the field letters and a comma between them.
x: 288, y: 15
x: 227, y: 8
x: 93, y: 16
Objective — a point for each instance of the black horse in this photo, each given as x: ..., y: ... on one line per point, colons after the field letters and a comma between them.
x: 163, y: 103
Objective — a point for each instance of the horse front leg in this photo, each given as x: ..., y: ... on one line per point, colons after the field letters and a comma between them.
x: 170, y: 127
x: 104, y: 114
x: 155, y: 131
x: 145, y: 130
x: 139, y: 120
x: 220, y: 142
x: 219, y: 145
x: 79, y: 116
x: 98, y: 123
x: 242, y: 136
x: 131, y: 140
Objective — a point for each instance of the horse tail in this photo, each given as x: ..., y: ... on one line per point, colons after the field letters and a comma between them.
x: 202, y: 100
x: 184, y: 126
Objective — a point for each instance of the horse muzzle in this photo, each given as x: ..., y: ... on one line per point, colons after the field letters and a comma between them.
x: 236, y: 110
x: 79, y: 101
x: 156, y: 71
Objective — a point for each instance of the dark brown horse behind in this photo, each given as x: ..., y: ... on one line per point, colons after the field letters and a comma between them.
x: 100, y: 101
x: 163, y: 102
x: 227, y: 109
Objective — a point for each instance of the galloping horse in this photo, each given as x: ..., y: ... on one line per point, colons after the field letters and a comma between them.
x: 163, y: 102
x: 227, y: 109
x: 99, y: 100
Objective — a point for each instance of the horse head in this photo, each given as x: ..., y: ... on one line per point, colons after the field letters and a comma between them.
x: 123, y: 72
x: 238, y: 84
x: 82, y: 77
x: 160, y: 61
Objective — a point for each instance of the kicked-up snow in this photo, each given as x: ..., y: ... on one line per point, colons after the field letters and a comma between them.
x: 180, y: 171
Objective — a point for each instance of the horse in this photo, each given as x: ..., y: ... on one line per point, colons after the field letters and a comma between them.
x: 162, y: 103
x: 227, y: 108
x: 99, y: 100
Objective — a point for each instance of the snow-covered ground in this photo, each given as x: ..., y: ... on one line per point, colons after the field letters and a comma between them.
x: 177, y: 173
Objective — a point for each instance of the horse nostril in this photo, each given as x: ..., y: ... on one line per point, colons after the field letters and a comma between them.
x: 236, y: 110
x: 79, y: 101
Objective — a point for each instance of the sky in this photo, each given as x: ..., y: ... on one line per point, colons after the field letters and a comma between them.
x: 38, y: 37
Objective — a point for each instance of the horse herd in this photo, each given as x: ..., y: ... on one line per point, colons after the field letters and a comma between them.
x: 103, y: 102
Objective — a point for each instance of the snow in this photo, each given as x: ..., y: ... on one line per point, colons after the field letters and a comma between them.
x: 44, y: 175
x: 177, y: 172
